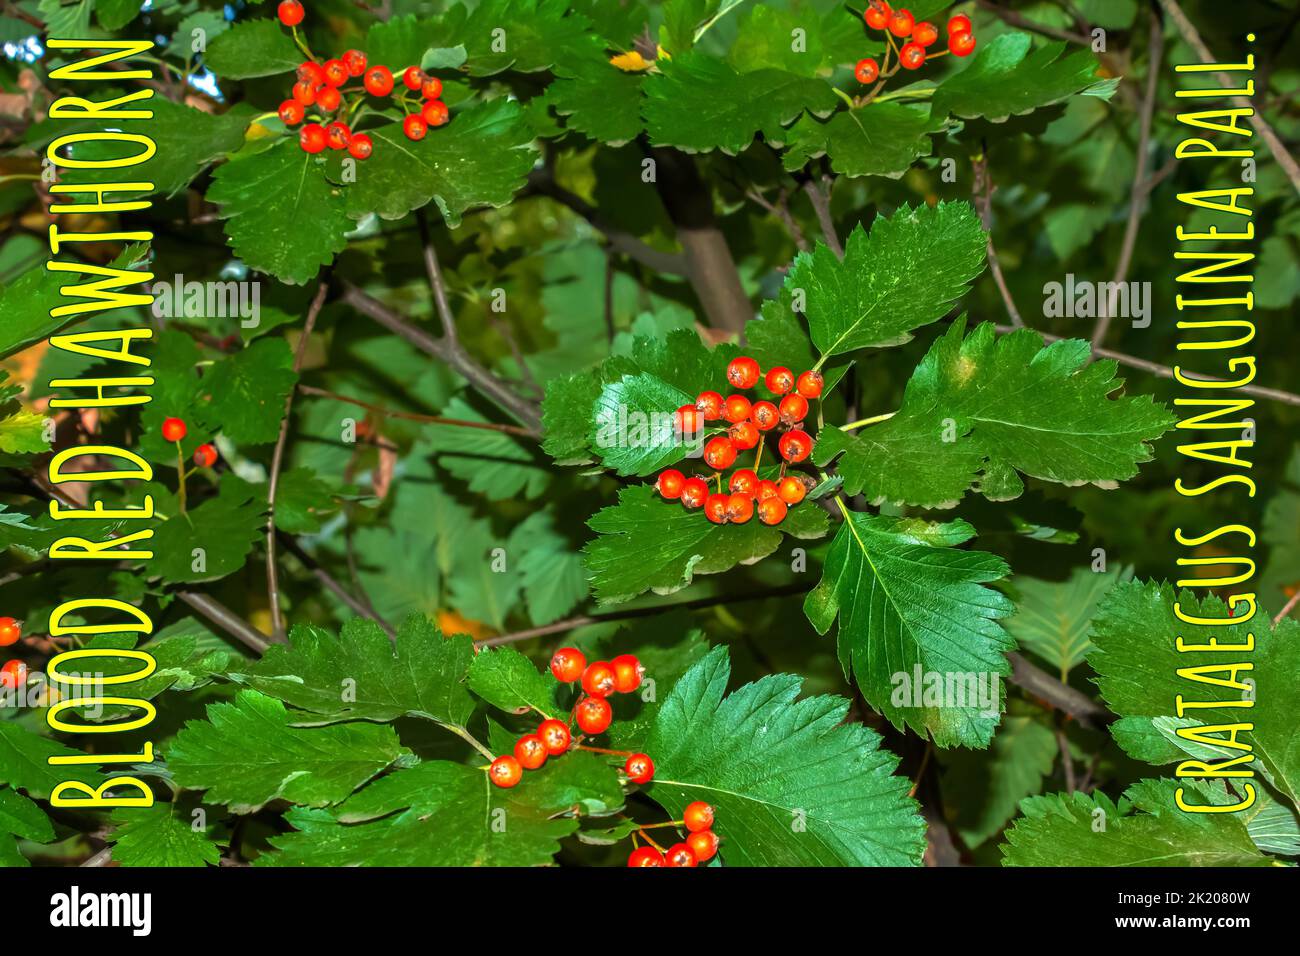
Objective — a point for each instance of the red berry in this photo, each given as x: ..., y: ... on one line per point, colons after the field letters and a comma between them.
x: 867, y: 71
x: 435, y: 113
x: 355, y: 61
x: 901, y: 23
x: 290, y: 13
x: 312, y: 138
x: 505, y: 772
x: 694, y: 492
x: 736, y: 408
x: 639, y: 768
x: 779, y: 380
x: 291, y: 112
x: 378, y: 81
x: 304, y: 92
x: 795, y: 445
x: 414, y: 127
x: 645, y: 856
x: 744, y: 435
x: 336, y: 72
x: 689, y: 420
x: 567, y: 664
x: 743, y: 372
x: 10, y: 631
x: 555, y: 736
x: 697, y: 816
x: 312, y: 73
x: 740, y: 508
x: 530, y: 751
x: 599, y: 679
x: 925, y: 33
x: 912, y: 55
x: 710, y: 404
x: 593, y: 715
x: 810, y: 384
x: 766, y: 489
x: 205, y: 456
x: 743, y: 482
x: 764, y: 416
x: 959, y: 24
x: 680, y: 855
x: 413, y: 77
x: 794, y: 409
x: 877, y: 14
x: 792, y: 490
x: 173, y: 429
x: 670, y: 483
x: 771, y: 511
x: 338, y: 135
x: 432, y: 88
x: 961, y: 44
x: 715, y: 508
x: 360, y: 146
x: 704, y: 844
x: 328, y: 98
x: 13, y: 674
x: 627, y: 673
x: 720, y: 453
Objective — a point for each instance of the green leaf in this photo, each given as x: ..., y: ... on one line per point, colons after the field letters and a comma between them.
x: 247, y: 753
x: 979, y: 409
x: 23, y: 433
x: 1061, y: 830
x: 697, y: 103
x: 246, y: 392
x: 400, y: 42
x: 361, y: 675
x: 1053, y: 618
x: 526, y: 36
x: 792, y: 783
x: 115, y: 14
x: 20, y: 818
x: 301, y: 500
x: 644, y: 543
x: 223, y: 528
x: 496, y: 465
x: 506, y: 679
x: 480, y: 158
x: 448, y: 817
x: 918, y: 630
x: 765, y: 38
x: 600, y: 100
x: 156, y: 836
x: 282, y: 216
x: 551, y: 570
x: 24, y: 762
x: 1004, y: 79
x: 252, y: 48
x: 883, y: 139
x: 877, y: 295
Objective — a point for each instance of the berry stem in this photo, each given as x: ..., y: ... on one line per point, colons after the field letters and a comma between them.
x: 758, y: 455
x: 180, y: 478
x: 473, y: 741
x: 844, y: 96
x: 666, y: 823
x: 302, y: 45
x: 867, y: 421
x: 604, y: 750
x: 907, y: 94
x: 645, y: 836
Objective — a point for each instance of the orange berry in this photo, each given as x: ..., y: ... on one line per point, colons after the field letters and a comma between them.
x: 779, y: 380
x: 710, y: 403
x: 670, y: 483
x: 767, y: 489
x: 567, y: 664
x: 694, y: 492
x: 697, y: 816
x: 765, y: 416
x: 505, y: 772
x: 736, y: 408
x: 743, y: 481
x: 743, y: 372
x: 593, y: 715
x: 627, y: 673
x: 704, y: 844
x: 715, y: 508
x: 744, y: 435
x: 740, y: 508
x: 10, y: 631
x: 791, y: 490
x: 680, y: 855
x: 720, y: 453
x: 599, y: 679
x: 555, y: 736
x: 810, y: 384
x: 639, y: 768
x: 771, y: 511
x: 530, y: 751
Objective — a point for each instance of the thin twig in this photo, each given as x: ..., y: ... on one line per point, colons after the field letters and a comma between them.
x: 1022, y: 21
x: 1062, y: 696
x: 102, y: 858
x: 983, y: 194
x: 1067, y: 762
x: 1287, y: 608
x: 338, y: 590
x: 820, y: 197
x: 1139, y: 192
x: 277, y: 460
x: 1275, y: 145
x: 781, y: 209
x: 415, y: 416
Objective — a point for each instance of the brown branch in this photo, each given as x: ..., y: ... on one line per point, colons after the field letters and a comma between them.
x: 277, y: 460
x: 820, y: 196
x: 357, y: 607
x: 1067, y: 762
x: 226, y: 619
x: 1275, y: 146
x: 781, y: 210
x: 1033, y: 26
x: 1061, y: 696
x: 982, y: 190
x: 1139, y: 192
x: 1287, y: 608
x: 415, y: 416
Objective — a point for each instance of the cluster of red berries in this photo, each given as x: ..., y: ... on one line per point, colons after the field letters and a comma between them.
x: 900, y: 23
x: 174, y: 430
x: 323, y: 85
x: 750, y: 422
x: 13, y: 673
x: 593, y: 715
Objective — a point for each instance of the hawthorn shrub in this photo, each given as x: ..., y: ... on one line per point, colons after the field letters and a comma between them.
x: 699, y: 337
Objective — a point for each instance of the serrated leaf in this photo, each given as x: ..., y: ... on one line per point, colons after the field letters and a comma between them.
x: 247, y: 753
x: 1005, y: 79
x: 157, y: 836
x: 883, y: 139
x: 20, y: 818
x: 644, y: 543
x: 697, y: 103
x: 634, y: 428
x: 24, y: 762
x: 252, y: 48
x: 496, y: 465
x: 1053, y: 618
x: 550, y: 568
x: 599, y: 100
x: 566, y: 414
x: 301, y: 500
x: 979, y: 409
x: 506, y: 679
x: 447, y: 818
x: 224, y: 528
x: 282, y: 215
x: 526, y: 36
x: 877, y: 296
x: 917, y: 627
x: 23, y: 433
x: 362, y: 675
x: 246, y: 391
x: 399, y: 42
x: 763, y: 759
